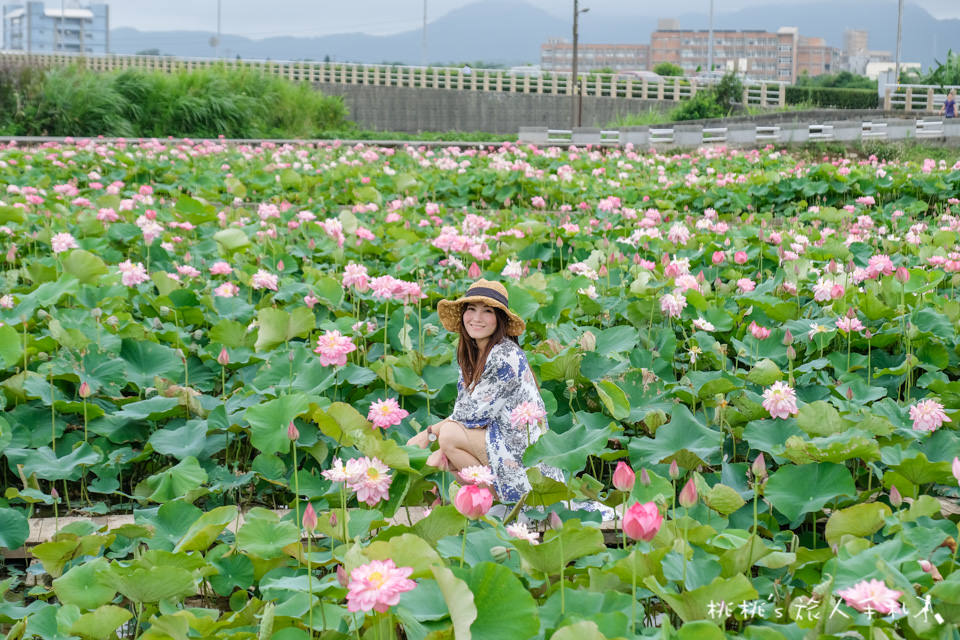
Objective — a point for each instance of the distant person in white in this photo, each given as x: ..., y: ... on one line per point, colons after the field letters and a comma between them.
x: 466, y: 70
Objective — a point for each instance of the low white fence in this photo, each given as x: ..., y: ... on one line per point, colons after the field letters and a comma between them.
x: 764, y: 94
x: 749, y: 134
x: 916, y: 97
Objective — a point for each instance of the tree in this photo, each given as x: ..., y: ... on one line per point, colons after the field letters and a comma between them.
x: 947, y: 72
x: 668, y: 69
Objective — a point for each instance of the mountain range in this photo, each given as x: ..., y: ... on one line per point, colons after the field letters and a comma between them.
x: 511, y: 32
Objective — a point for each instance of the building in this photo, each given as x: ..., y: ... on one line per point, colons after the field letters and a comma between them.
x: 855, y: 41
x: 32, y: 27
x: 556, y: 55
x: 760, y: 55
x: 815, y: 57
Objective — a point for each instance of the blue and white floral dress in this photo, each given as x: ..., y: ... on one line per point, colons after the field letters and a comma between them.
x: 506, y: 383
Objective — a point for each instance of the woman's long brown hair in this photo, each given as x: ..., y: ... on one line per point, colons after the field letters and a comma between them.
x: 469, y: 357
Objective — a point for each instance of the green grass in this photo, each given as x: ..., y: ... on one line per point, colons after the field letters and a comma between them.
x: 201, y: 104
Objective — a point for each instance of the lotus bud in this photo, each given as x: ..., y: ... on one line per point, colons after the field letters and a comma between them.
x: 279, y: 265
x: 309, y: 516
x: 791, y: 353
x: 224, y: 358
x: 895, y: 498
x: 54, y: 493
x: 902, y: 275
x: 701, y: 278
x: 559, y: 243
x: 674, y: 470
x: 832, y: 266
x: 787, y: 338
x: 931, y: 568
x: 474, y: 270
x: 554, y: 521
x: 851, y: 313
x: 759, y: 467
x: 849, y: 393
x: 588, y: 341
x: 342, y: 577
x: 955, y: 468
x: 644, y: 478
x: 500, y: 553
x: 333, y: 519
x: 624, y: 477
x: 636, y: 258
x: 292, y: 431
x: 688, y: 495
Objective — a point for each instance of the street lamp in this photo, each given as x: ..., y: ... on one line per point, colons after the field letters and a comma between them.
x: 577, y: 117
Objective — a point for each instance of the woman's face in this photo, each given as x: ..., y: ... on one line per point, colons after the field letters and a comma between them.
x: 480, y: 321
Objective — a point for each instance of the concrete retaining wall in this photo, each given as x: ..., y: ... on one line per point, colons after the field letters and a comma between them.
x: 418, y: 110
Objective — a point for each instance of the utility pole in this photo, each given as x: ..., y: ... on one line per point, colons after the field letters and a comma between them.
x: 60, y: 35
x: 574, y: 85
x: 896, y: 69
x: 710, y: 42
x: 217, y: 50
x: 423, y: 40
x: 577, y: 117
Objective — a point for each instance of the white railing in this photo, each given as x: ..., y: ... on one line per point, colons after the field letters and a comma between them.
x: 916, y: 97
x: 690, y: 135
x: 763, y: 94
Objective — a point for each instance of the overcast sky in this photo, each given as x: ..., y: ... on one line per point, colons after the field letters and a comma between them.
x: 259, y: 19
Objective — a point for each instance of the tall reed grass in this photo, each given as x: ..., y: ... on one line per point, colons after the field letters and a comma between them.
x: 203, y: 103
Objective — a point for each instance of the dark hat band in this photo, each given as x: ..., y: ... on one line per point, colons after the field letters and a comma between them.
x: 488, y: 293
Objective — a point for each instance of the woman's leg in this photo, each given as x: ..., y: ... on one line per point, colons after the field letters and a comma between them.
x: 462, y: 447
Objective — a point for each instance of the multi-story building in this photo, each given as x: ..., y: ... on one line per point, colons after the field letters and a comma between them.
x: 758, y: 54
x: 32, y: 27
x: 855, y: 41
x: 557, y: 55
x: 815, y: 57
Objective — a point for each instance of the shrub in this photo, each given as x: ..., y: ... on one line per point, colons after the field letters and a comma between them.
x: 668, y: 69
x: 701, y: 106
x: 833, y: 97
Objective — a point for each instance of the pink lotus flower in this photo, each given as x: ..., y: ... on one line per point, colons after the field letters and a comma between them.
x: 370, y: 478
x: 63, y: 242
x: 6, y: 301
x: 473, y: 501
x: 310, y: 300
x: 849, y: 325
x: 672, y: 304
x: 703, y: 325
x: 519, y: 530
x: 624, y: 477
x: 226, y: 290
x: 538, y: 202
x: 474, y: 270
x: 740, y: 257
x: 477, y: 474
x: 383, y: 287
x: 928, y: 415
x: 955, y: 468
x: 386, y: 413
x: 355, y: 275
x: 642, y: 521
x: 758, y: 332
x: 780, y: 400
x: 220, y: 268
x: 377, y: 586
x: 337, y: 471
x: 263, y: 279
x: 527, y: 414
x: 513, y: 270
x: 872, y: 594
x: 132, y: 274
x: 746, y: 285
x: 333, y: 348
x: 718, y: 257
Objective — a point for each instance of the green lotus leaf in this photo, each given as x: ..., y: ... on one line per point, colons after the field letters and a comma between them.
x: 797, y: 490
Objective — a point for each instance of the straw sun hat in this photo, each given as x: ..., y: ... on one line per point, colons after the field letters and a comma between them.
x: 488, y: 292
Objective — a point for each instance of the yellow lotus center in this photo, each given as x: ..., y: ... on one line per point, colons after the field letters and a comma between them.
x: 373, y: 474
x: 377, y: 579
